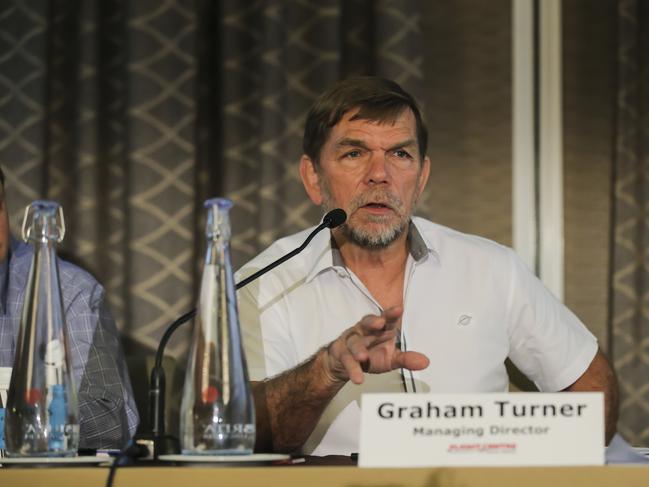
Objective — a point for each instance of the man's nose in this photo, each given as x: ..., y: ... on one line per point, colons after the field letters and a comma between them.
x: 377, y: 171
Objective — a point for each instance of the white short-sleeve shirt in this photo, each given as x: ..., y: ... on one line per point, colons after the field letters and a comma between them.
x: 469, y: 303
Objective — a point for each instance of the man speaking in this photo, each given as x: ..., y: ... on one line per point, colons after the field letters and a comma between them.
x: 389, y: 302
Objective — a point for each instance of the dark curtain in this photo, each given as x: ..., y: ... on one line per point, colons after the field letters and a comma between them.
x: 629, y: 317
x: 131, y: 114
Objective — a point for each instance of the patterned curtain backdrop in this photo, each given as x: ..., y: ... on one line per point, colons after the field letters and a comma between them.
x: 630, y: 259
x: 131, y: 113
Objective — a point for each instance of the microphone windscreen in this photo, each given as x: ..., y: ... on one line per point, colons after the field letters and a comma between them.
x: 335, y: 217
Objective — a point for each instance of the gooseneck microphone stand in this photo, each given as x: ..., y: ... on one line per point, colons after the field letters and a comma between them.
x: 168, y: 444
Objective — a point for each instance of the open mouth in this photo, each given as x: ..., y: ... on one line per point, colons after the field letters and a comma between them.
x: 377, y: 208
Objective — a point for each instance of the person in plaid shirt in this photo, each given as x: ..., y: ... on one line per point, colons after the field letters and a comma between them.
x: 108, y: 415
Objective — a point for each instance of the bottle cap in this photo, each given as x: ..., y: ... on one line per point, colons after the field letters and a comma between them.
x: 43, y: 221
x: 218, y: 221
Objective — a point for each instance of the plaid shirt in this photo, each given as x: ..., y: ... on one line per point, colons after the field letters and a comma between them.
x: 107, y: 413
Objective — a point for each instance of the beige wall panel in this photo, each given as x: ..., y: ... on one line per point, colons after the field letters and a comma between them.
x: 588, y: 96
x: 467, y: 65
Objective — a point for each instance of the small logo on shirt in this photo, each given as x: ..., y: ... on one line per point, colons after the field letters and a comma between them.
x: 464, y: 320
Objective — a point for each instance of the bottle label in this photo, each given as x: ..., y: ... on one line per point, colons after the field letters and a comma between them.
x: 60, y: 437
x: 225, y: 430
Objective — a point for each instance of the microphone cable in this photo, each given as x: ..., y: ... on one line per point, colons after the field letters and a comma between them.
x: 128, y: 456
x: 332, y: 219
x: 403, y: 376
x: 401, y: 345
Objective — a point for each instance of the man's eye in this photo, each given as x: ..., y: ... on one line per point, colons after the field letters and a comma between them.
x: 353, y: 154
x: 402, y: 154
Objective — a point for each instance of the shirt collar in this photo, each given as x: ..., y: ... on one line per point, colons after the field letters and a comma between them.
x: 418, y: 245
x: 322, y: 255
x: 327, y: 256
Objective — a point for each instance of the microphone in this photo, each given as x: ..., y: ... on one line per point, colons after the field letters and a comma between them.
x: 165, y: 443
x: 335, y: 218
x: 332, y: 219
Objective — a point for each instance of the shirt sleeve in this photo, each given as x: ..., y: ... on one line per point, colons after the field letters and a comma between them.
x: 108, y: 415
x: 548, y: 343
x: 266, y: 337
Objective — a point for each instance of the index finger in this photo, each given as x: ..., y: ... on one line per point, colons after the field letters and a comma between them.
x: 388, y: 320
x: 370, y: 324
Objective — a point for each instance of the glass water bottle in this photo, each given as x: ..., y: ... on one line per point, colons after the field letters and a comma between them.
x: 41, y: 417
x: 217, y: 415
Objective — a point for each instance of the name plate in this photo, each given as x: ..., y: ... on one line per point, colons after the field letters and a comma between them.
x: 517, y: 429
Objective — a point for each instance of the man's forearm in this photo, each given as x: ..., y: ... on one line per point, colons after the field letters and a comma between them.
x: 289, y: 405
x: 611, y: 404
x: 600, y: 377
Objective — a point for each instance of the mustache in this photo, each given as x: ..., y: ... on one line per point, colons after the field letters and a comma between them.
x: 380, y: 196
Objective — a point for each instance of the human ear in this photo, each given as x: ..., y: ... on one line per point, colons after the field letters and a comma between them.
x: 423, y: 176
x: 310, y: 179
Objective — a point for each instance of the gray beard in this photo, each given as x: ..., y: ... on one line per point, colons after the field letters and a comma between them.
x: 373, y: 241
x: 366, y: 240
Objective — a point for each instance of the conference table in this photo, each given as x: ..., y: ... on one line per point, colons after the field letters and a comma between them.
x: 325, y: 472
